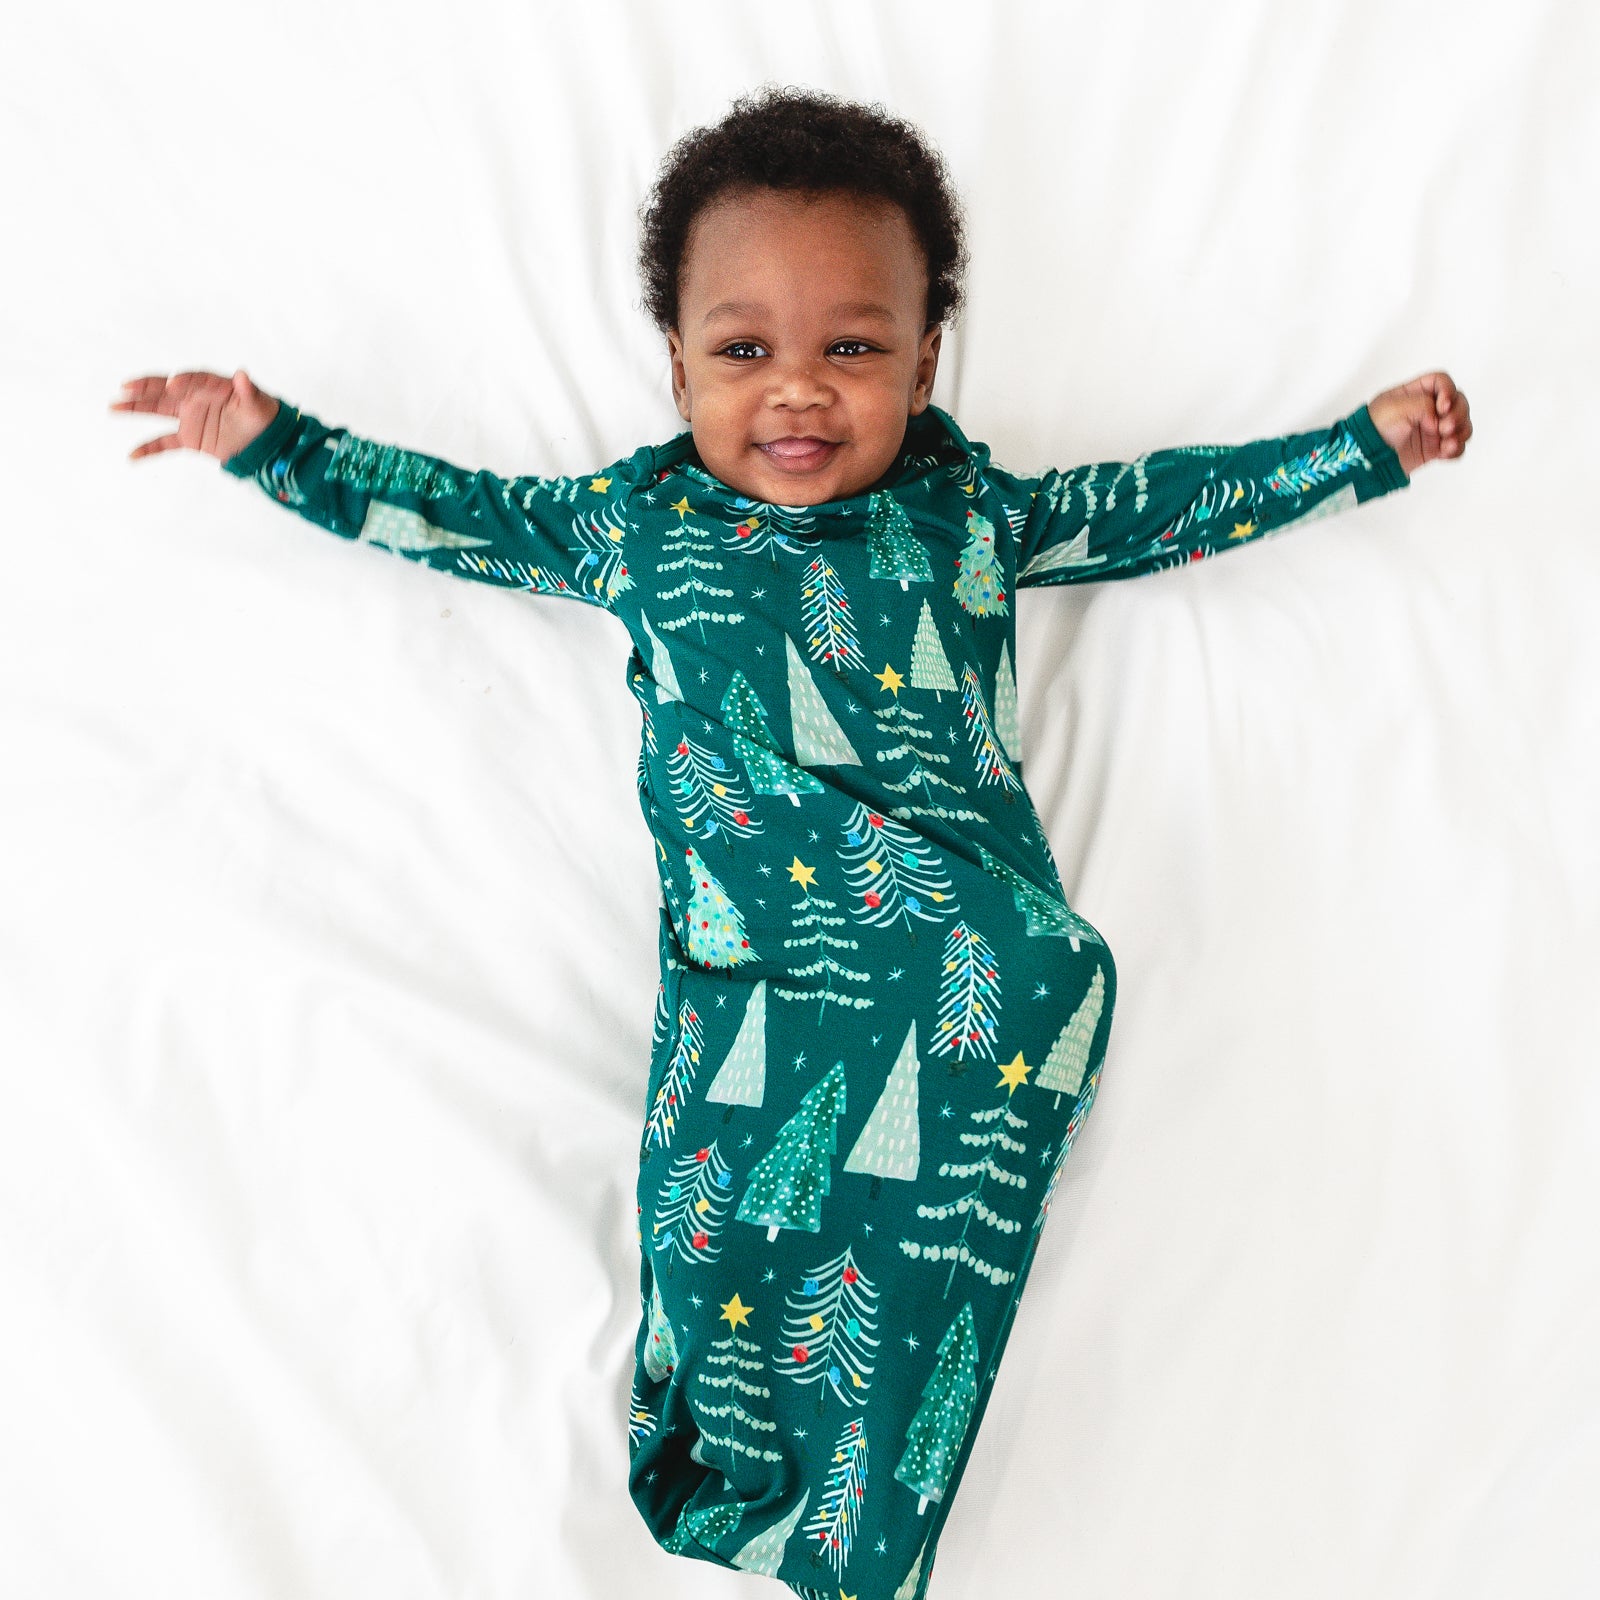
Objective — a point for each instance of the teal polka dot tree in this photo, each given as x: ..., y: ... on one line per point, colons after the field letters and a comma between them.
x: 714, y: 935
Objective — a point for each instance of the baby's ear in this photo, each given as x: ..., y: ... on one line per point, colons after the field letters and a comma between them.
x: 680, y: 376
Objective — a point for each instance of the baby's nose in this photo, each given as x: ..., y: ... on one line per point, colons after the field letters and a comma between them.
x: 803, y: 383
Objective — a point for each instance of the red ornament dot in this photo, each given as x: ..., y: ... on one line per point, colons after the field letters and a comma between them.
x: 849, y: 1277
x: 701, y: 1155
x: 699, y: 1241
x: 801, y: 1353
x: 872, y: 899
x: 741, y: 817
x: 874, y: 819
x: 683, y: 749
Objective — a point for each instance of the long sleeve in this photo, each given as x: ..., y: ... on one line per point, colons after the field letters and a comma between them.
x: 1117, y: 519
x: 560, y: 536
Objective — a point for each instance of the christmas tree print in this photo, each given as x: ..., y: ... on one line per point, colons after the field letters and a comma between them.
x: 890, y: 1143
x: 1005, y: 706
x: 1073, y: 552
x: 934, y: 1438
x: 723, y: 1384
x: 709, y: 1524
x: 641, y: 1419
x: 1327, y: 460
x: 969, y: 997
x: 833, y: 1524
x: 690, y: 1205
x: 893, y: 547
x: 894, y: 873
x: 660, y: 1343
x: 661, y: 668
x: 714, y: 931
x: 787, y: 1185
x: 1074, y: 1124
x: 930, y: 666
x: 742, y: 1078
x: 987, y: 754
x: 827, y: 1336
x: 746, y: 719
x: 673, y: 1090
x: 1069, y: 1055
x: 601, y: 534
x: 376, y: 469
x: 908, y: 1584
x: 965, y: 473
x: 662, y: 1020
x: 771, y: 528
x: 692, y: 550
x: 406, y: 531
x: 1046, y: 916
x: 909, y: 740
x: 819, y: 741
x: 812, y: 923
x: 997, y: 1129
x: 709, y: 794
x: 980, y: 581
x: 764, y: 1553
x: 825, y: 610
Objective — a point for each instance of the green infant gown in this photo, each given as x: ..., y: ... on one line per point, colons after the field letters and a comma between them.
x: 879, y: 1025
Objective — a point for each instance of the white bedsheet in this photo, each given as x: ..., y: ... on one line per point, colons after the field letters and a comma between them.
x: 327, y: 912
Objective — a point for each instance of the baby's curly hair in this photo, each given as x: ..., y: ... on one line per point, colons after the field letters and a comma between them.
x: 801, y: 139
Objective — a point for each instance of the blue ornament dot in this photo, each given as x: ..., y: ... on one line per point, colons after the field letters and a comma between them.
x: 725, y: 1180
x: 718, y: 763
x: 674, y: 1192
x: 913, y: 905
x: 853, y: 1328
x: 833, y: 1373
x: 908, y: 859
x: 811, y: 1286
x: 853, y: 837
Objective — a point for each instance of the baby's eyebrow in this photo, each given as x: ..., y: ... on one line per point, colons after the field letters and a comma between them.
x: 847, y: 308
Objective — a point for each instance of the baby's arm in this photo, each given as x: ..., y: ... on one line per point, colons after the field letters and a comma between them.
x: 546, y: 535
x: 1117, y: 519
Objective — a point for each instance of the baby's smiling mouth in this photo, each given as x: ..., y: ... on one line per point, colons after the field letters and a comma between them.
x: 791, y: 454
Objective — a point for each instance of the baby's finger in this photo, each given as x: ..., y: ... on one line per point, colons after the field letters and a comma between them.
x: 1444, y: 390
x: 167, y: 441
x: 141, y: 394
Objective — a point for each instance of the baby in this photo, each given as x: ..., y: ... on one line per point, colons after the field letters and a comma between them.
x: 879, y: 1025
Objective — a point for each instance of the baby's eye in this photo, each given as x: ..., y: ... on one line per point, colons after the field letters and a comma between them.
x: 858, y: 347
x: 738, y: 345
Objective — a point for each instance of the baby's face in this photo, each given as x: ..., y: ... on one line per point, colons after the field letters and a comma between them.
x: 800, y: 353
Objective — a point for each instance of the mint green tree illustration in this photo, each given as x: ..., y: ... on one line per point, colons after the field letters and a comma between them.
x: 1005, y: 707
x: 761, y: 526
x: 930, y: 666
x: 819, y: 741
x: 693, y: 554
x: 895, y: 873
x: 786, y: 1186
x: 979, y: 581
x: 709, y: 793
x: 815, y: 915
x: 890, y: 1143
x: 672, y: 1093
x: 746, y: 719
x: 714, y: 931
x: 1046, y: 916
x: 377, y: 469
x: 741, y: 1080
x: 689, y: 1207
x: 989, y: 758
x: 660, y: 1343
x: 996, y: 1139
x: 828, y: 1336
x: 898, y: 722
x: 706, y: 1525
x: 934, y: 1438
x: 825, y: 610
x: 1063, y: 1068
x: 764, y: 1553
x: 892, y: 546
x: 641, y: 1419
x: 969, y: 997
x: 724, y: 1375
x: 661, y: 668
x: 833, y: 1524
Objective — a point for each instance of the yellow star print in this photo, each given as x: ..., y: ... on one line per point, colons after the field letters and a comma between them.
x: 1014, y: 1072
x: 735, y: 1312
x: 682, y: 507
x: 599, y: 485
x: 890, y: 679
x: 802, y: 874
x: 1242, y: 530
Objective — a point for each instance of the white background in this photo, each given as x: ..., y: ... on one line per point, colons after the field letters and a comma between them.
x: 327, y: 915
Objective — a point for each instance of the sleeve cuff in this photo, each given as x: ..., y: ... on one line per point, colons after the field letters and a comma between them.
x: 1386, y: 466
x: 247, y: 462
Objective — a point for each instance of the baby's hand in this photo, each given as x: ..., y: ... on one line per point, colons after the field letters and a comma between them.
x: 217, y: 415
x: 1423, y: 419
